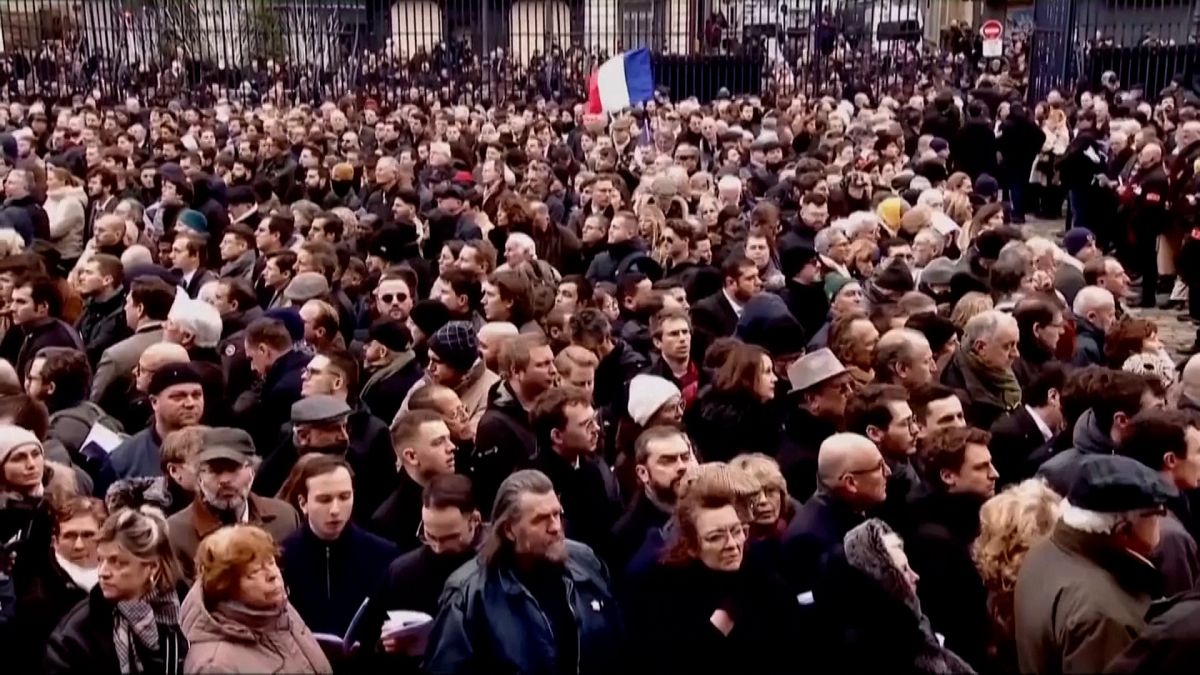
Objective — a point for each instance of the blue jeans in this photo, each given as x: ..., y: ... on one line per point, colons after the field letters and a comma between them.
x: 1016, y: 194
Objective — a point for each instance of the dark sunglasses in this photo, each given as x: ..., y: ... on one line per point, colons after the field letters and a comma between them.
x: 388, y: 297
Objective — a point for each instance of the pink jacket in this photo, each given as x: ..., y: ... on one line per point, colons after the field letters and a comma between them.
x: 221, y: 646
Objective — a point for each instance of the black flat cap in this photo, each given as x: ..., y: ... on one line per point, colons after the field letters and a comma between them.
x: 1116, y: 484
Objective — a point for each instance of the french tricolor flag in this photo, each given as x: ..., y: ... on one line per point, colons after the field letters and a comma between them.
x: 620, y: 82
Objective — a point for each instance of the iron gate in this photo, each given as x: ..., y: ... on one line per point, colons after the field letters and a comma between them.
x: 486, y: 49
x: 1145, y: 43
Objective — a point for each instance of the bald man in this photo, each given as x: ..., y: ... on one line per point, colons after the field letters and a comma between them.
x: 852, y: 478
x: 492, y: 336
x: 137, y: 413
x: 1189, y: 381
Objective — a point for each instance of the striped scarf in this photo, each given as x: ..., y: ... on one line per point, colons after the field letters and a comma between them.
x: 138, y: 620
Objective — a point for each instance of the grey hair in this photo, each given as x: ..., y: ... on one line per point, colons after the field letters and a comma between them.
x: 825, y: 238
x: 1092, y: 522
x: 198, y: 318
x: 525, y: 242
x: 1090, y: 299
x: 898, y: 346
x: 506, y: 509
x: 984, y: 325
x: 931, y: 236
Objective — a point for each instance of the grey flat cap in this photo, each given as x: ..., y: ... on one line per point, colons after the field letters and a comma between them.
x: 226, y: 443
x: 306, y: 286
x: 319, y: 409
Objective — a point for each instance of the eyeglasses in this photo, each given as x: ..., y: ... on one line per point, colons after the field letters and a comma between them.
x: 387, y: 298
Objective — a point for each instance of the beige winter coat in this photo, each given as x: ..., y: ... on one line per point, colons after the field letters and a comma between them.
x: 218, y: 645
x: 67, y: 213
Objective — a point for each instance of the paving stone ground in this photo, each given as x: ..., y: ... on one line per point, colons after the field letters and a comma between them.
x: 1174, y: 333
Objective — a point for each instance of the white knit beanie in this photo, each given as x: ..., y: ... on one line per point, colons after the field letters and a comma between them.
x: 648, y: 393
x: 13, y: 437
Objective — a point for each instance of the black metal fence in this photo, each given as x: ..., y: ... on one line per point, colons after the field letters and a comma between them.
x: 477, y: 50
x: 481, y: 49
x: 1147, y: 43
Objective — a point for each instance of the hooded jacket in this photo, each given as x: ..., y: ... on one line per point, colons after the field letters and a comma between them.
x: 504, y: 442
x: 218, y: 645
x: 1087, y: 439
x: 27, y: 217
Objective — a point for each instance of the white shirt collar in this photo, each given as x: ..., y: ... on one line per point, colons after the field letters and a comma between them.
x: 737, y: 308
x: 1047, y: 433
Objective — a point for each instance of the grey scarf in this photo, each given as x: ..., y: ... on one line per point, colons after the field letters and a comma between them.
x: 258, y: 620
x: 139, y: 620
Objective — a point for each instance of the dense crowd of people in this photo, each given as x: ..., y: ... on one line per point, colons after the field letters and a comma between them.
x: 763, y: 384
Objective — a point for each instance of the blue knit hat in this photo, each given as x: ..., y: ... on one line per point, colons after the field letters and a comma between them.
x: 193, y: 220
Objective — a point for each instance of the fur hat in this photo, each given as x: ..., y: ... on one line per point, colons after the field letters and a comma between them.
x: 133, y: 493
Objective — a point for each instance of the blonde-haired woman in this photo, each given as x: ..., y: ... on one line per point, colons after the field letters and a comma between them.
x: 969, y: 305
x: 66, y: 204
x: 773, y: 509
x: 130, y: 621
x: 237, y: 615
x: 1009, y: 525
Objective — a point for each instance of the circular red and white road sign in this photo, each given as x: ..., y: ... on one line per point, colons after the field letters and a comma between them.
x: 991, y: 30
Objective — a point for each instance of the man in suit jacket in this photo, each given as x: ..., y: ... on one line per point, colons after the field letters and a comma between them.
x: 187, y: 255
x: 146, y: 308
x: 1023, y: 438
x: 717, y: 315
